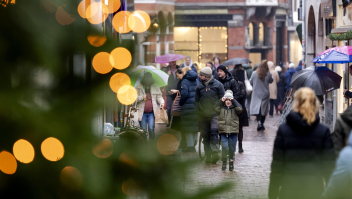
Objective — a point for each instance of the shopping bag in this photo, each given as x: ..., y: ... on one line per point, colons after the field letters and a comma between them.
x: 161, y: 116
x: 176, y: 109
x: 249, y: 87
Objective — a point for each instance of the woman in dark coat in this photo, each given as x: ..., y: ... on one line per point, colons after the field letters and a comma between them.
x: 189, y: 122
x: 281, y: 88
x: 303, y: 153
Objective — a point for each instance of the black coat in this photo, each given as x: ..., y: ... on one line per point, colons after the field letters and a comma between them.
x: 230, y: 84
x: 303, y: 155
x: 215, y: 73
x: 207, y: 96
x: 188, y: 91
x: 242, y: 100
x: 172, y: 84
x: 281, y: 88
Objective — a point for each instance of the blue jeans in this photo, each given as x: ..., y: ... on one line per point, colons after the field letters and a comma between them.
x: 228, y: 146
x: 148, y: 118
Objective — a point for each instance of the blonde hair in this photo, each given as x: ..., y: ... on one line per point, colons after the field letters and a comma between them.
x: 185, y: 69
x: 306, y: 103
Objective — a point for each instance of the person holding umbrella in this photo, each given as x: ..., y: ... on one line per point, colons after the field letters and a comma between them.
x: 347, y: 93
x: 148, y: 96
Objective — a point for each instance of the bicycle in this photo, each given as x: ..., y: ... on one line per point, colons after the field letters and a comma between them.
x: 131, y: 131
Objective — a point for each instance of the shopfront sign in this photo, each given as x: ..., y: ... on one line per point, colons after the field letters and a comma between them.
x: 262, y: 2
x: 327, y: 8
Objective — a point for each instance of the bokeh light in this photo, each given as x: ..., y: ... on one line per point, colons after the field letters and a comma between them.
x: 126, y: 159
x: 131, y: 188
x: 139, y: 21
x: 122, y: 58
x: 96, y: 41
x: 52, y: 149
x: 71, y: 178
x: 103, y: 149
x: 120, y: 22
x: 113, y: 6
x: 23, y: 151
x: 102, y: 62
x: 96, y: 13
x: 127, y: 95
x: 118, y: 80
x: 167, y: 144
x: 63, y: 17
x: 8, y: 163
x: 82, y: 8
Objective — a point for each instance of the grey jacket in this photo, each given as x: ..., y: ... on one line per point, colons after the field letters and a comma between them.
x: 260, y: 94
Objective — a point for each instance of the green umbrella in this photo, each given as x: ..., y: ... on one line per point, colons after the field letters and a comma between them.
x: 160, y: 77
x: 299, y: 32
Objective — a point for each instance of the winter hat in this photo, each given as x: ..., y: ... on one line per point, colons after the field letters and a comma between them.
x: 223, y: 68
x: 228, y: 94
x: 206, y: 71
x: 292, y: 65
x: 278, y: 69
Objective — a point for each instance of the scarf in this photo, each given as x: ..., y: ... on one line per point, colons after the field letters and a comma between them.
x: 206, y: 82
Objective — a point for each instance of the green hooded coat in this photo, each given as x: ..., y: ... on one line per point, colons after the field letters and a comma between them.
x: 228, y: 116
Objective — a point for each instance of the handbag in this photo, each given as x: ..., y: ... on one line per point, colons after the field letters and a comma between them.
x: 176, y: 109
x: 249, y: 87
x: 161, y: 116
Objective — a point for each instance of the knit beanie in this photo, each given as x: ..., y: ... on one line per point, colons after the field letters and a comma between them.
x: 278, y: 69
x: 292, y: 65
x: 223, y: 68
x: 206, y: 71
x: 228, y: 94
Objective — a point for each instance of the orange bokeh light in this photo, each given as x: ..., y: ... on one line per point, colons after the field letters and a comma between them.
x: 167, y: 144
x: 120, y: 22
x: 122, y: 58
x: 139, y: 21
x: 8, y: 163
x: 131, y: 188
x: 52, y: 149
x: 118, y: 80
x: 102, y: 62
x: 96, y: 13
x: 127, y: 95
x: 71, y: 177
x: 126, y: 159
x: 96, y: 41
x: 82, y: 8
x: 113, y: 6
x: 23, y: 151
x: 63, y: 17
x: 103, y: 149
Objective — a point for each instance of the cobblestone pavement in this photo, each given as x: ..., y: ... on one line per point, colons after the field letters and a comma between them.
x: 252, y: 168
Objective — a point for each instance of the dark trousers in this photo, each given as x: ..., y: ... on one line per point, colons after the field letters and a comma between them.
x: 240, y: 133
x: 260, y: 117
x: 169, y: 100
x: 272, y: 103
x: 209, y: 128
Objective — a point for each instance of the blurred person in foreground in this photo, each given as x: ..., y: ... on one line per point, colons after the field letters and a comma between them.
x: 260, y: 80
x: 303, y: 154
x: 208, y: 92
x: 171, y: 88
x: 273, y: 87
x: 228, y: 110
x: 342, y: 129
x: 340, y: 183
x: 148, y: 96
x: 187, y: 87
x: 281, y: 90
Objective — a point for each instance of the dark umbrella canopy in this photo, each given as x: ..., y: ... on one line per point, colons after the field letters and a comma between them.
x: 321, y: 79
x: 236, y: 61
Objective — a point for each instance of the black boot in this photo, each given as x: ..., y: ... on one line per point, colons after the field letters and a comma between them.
x: 230, y: 165
x: 224, y: 164
x: 260, y: 126
x: 240, y: 149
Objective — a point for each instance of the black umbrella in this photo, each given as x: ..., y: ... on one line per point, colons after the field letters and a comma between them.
x: 321, y: 79
x: 236, y: 61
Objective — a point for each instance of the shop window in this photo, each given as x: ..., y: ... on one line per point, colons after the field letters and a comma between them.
x: 347, y: 16
x: 186, y: 42
x: 250, y: 31
x: 261, y: 34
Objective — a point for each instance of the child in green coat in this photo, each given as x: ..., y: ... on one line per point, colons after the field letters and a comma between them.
x: 228, y: 109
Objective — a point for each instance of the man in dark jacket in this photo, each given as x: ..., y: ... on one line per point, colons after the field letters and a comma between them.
x: 342, y: 130
x: 228, y: 81
x: 208, y: 92
x: 289, y: 73
x: 171, y: 88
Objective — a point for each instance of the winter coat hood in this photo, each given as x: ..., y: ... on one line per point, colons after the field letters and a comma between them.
x: 190, y: 75
x: 190, y: 63
x: 226, y: 79
x: 246, y: 66
x: 347, y: 116
x: 271, y: 65
x: 296, y: 122
x: 291, y: 71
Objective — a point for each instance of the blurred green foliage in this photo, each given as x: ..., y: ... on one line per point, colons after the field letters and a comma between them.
x: 40, y: 97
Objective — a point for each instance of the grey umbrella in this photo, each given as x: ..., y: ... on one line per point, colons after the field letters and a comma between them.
x: 236, y: 61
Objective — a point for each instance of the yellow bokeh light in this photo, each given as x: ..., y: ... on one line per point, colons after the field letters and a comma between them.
x: 120, y: 22
x: 118, y: 80
x: 82, y: 8
x: 102, y: 62
x: 96, y: 13
x: 23, y: 151
x: 127, y: 95
x: 52, y: 149
x: 103, y: 149
x: 96, y: 41
x: 8, y: 163
x: 139, y: 21
x: 113, y: 6
x: 71, y: 178
x: 131, y: 188
x: 167, y: 144
x: 122, y: 58
x: 63, y: 17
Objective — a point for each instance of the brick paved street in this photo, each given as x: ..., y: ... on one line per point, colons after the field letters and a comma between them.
x: 252, y: 168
